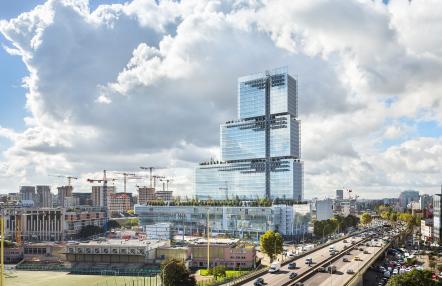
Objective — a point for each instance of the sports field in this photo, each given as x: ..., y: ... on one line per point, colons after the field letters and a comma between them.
x: 47, y: 278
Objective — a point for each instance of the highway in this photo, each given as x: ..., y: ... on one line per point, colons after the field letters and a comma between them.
x: 341, y: 277
x: 318, y: 256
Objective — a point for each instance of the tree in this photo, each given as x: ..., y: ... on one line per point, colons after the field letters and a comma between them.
x: 271, y: 243
x: 89, y: 230
x: 366, y: 218
x: 175, y: 273
x: 113, y: 224
x: 219, y: 271
x: 413, y: 278
x: 324, y: 227
x: 393, y: 216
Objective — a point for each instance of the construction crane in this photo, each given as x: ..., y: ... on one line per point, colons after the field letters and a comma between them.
x: 150, y: 172
x: 67, y: 177
x: 167, y: 183
x: 155, y: 177
x: 127, y: 176
x: 104, y: 181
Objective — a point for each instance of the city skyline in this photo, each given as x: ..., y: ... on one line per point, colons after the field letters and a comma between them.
x: 80, y: 94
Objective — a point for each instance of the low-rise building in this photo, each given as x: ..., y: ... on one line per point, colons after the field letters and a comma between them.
x: 237, y: 221
x: 230, y: 253
x: 324, y: 209
x: 77, y: 218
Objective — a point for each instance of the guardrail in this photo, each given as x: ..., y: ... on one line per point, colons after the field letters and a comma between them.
x: 255, y: 274
x: 312, y: 270
x: 356, y: 276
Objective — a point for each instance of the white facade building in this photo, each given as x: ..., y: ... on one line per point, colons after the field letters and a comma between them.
x: 324, y: 209
x: 161, y: 231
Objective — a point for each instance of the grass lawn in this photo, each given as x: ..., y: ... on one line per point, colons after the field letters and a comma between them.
x: 47, y: 278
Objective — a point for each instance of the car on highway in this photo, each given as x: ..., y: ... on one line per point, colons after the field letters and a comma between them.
x: 356, y: 258
x: 350, y: 271
x: 299, y: 284
x: 259, y: 281
x: 331, y: 269
x: 292, y: 265
x: 345, y: 259
x: 366, y: 252
x: 309, y: 260
x: 293, y: 275
x: 274, y: 267
x: 361, y: 249
x: 321, y: 269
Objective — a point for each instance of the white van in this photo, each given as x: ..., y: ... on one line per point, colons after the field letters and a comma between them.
x: 274, y: 267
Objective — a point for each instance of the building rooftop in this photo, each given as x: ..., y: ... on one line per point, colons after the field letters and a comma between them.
x: 122, y: 242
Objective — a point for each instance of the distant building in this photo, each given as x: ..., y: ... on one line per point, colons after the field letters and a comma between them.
x: 163, y: 195
x: 77, y: 218
x: 406, y: 197
x: 63, y: 193
x: 427, y: 230
x: 425, y: 202
x: 437, y: 217
x: 82, y: 199
x: 324, y: 209
x: 339, y: 194
x: 119, y: 203
x: 27, y: 193
x: 161, y: 231
x: 145, y: 194
x: 44, y: 197
x: 97, y: 195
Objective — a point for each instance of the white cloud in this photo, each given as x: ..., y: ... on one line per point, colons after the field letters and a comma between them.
x: 144, y: 83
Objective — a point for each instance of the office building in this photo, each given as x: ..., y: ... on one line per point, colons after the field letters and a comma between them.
x: 236, y: 221
x: 427, y: 230
x: 44, y: 197
x: 97, y: 195
x: 260, y: 152
x: 339, y: 194
x: 406, y: 197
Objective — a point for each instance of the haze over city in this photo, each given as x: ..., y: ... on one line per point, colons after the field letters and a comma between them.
x: 93, y: 85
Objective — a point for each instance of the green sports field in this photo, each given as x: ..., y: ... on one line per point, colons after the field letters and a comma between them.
x: 47, y: 278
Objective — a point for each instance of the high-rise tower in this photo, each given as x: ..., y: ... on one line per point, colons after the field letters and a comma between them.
x: 260, y: 152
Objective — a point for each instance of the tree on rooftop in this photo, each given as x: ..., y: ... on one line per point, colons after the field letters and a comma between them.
x: 271, y: 243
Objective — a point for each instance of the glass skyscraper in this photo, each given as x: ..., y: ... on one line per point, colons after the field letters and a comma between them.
x: 260, y: 152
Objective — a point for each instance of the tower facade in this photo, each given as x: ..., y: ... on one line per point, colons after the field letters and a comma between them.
x: 260, y: 152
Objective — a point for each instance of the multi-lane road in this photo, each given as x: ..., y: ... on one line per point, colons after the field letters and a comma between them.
x: 340, y: 277
x: 318, y: 256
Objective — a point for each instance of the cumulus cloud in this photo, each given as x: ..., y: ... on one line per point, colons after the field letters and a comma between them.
x: 149, y: 82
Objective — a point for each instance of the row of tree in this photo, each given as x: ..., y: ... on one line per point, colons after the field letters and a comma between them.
x: 337, y: 223
x: 388, y: 213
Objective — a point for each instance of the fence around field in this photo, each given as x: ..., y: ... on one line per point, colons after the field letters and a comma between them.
x: 130, y: 281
